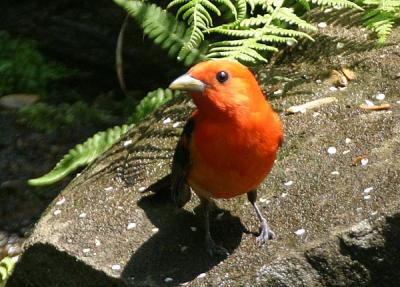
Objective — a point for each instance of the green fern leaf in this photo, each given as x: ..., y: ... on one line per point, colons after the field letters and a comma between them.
x: 337, y: 3
x: 164, y: 29
x: 288, y: 15
x: 7, y: 265
x: 81, y: 155
x: 150, y: 103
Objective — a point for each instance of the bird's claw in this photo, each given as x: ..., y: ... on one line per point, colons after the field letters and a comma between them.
x: 265, y: 234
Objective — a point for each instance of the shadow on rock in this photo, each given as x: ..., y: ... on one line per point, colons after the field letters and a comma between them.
x: 176, y: 252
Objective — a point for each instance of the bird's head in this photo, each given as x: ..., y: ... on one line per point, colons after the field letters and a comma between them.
x: 221, y: 86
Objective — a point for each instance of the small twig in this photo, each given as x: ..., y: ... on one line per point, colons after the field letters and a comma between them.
x: 381, y: 107
x: 310, y: 105
x: 119, y: 63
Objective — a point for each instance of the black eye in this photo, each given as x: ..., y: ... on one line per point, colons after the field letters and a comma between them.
x: 222, y: 76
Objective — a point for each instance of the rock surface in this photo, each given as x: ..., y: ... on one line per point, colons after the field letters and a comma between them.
x: 332, y: 228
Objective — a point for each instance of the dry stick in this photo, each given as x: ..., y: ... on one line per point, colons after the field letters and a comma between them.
x: 119, y: 63
x: 310, y: 105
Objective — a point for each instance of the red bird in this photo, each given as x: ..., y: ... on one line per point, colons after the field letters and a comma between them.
x: 229, y: 144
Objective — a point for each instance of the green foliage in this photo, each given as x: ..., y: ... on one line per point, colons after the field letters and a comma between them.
x: 162, y: 27
x: 47, y: 118
x: 81, y: 155
x: 381, y: 16
x: 150, y: 103
x: 23, y: 69
x: 92, y: 148
x: 6, y: 267
x: 245, y: 30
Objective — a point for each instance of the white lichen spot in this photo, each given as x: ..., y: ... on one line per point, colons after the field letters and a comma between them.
x: 155, y: 229
x: 300, y: 232
x: 61, y: 201
x: 283, y: 195
x: 120, y: 207
x: 168, y: 280
x: 142, y: 188
x: 332, y: 89
x: 374, y: 213
x: 364, y: 161
x: 368, y: 189
x: 366, y: 197
x: 380, y: 97
x: 127, y: 143
x: 110, y: 188
x: 57, y: 212
x: 131, y: 225
x: 322, y: 25
x: 278, y: 92
x: 193, y: 228
x: 86, y: 250
x: 82, y: 215
x: 116, y: 267
x: 335, y: 172
x: 167, y: 121
x: 347, y: 140
x: 331, y: 150
x: 175, y: 125
x: 262, y: 199
x: 288, y: 183
x: 201, y: 275
x: 346, y: 151
x: 97, y: 242
x: 318, y: 81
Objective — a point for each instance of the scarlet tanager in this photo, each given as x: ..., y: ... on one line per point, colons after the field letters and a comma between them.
x: 229, y: 144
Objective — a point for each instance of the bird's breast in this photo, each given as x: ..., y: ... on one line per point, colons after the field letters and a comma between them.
x: 229, y: 159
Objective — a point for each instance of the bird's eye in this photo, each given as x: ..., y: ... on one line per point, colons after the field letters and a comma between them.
x: 222, y: 76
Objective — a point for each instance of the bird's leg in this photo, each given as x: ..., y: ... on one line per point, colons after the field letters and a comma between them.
x: 212, y: 248
x: 266, y: 233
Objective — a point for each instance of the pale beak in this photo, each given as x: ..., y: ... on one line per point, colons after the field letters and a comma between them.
x: 187, y: 83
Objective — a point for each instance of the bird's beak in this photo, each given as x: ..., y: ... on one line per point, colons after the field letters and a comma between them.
x: 187, y: 83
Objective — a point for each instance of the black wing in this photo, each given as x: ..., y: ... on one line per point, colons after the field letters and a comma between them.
x: 180, y: 190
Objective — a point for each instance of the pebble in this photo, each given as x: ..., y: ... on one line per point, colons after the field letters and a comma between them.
x: 346, y: 151
x: 300, y: 232
x: 116, y: 267
x: 97, y: 242
x: 192, y: 228
x: 57, y: 212
x: 86, y: 250
x: 168, y: 280
x: 201, y: 275
x: 110, y: 188
x: 175, y: 125
x: 347, y: 140
x: 288, y: 183
x: 366, y: 197
x: 368, y: 189
x: 364, y: 161
x: 154, y: 230
x: 335, y: 172
x: 332, y: 89
x: 82, y: 215
x: 61, y: 201
x: 322, y: 25
x: 131, y: 225
x: 167, y: 121
x: 127, y: 143
x: 142, y: 188
x: 380, y: 97
x: 332, y: 150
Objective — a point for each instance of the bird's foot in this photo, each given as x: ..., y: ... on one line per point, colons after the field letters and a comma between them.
x: 265, y: 234
x: 215, y: 250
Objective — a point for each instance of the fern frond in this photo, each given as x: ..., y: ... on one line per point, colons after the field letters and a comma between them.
x: 7, y: 265
x: 337, y: 3
x: 164, y: 29
x: 381, y: 17
x: 93, y: 147
x: 81, y: 155
x: 287, y: 15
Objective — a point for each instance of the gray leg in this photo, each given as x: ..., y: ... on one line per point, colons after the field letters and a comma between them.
x: 266, y: 233
x: 212, y: 248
